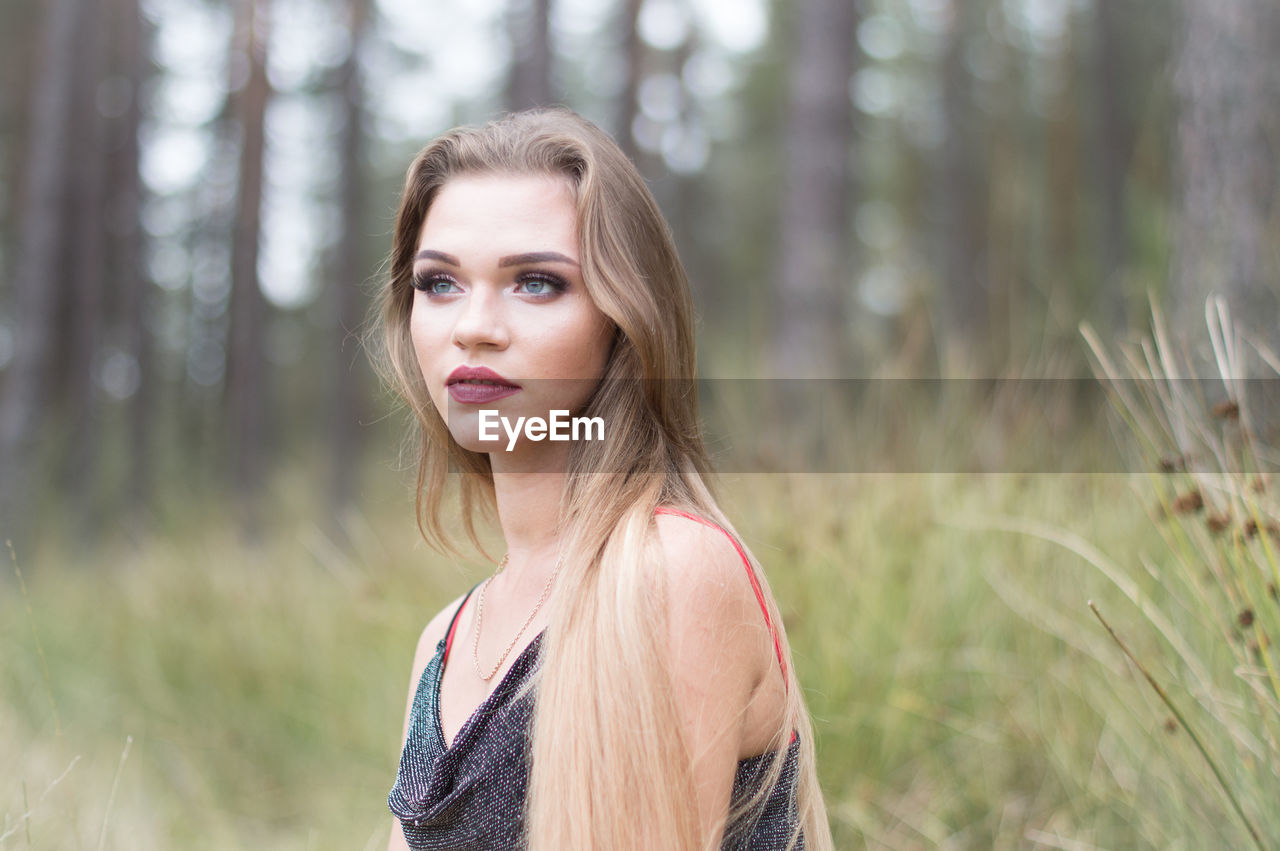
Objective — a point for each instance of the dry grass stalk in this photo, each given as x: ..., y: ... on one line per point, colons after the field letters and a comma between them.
x: 1210, y: 470
x: 1182, y: 721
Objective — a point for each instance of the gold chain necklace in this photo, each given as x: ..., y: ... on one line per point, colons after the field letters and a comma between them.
x: 475, y: 646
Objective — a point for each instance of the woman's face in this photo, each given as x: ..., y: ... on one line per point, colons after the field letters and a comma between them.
x: 501, y: 320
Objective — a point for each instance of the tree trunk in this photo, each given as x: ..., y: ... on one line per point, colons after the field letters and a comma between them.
x: 348, y: 401
x: 627, y: 102
x: 246, y: 364
x: 966, y: 299
x: 814, y: 264
x: 87, y: 255
x: 41, y: 236
x: 125, y: 204
x: 1111, y: 154
x: 1228, y: 87
x: 529, y: 78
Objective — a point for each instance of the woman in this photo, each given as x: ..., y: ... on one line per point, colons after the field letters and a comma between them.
x: 629, y: 684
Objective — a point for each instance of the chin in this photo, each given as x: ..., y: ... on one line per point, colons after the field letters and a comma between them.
x: 464, y: 427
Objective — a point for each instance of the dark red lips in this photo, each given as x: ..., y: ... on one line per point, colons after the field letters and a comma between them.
x: 477, y: 385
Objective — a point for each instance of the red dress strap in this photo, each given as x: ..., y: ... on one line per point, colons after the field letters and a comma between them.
x: 453, y: 626
x: 751, y: 574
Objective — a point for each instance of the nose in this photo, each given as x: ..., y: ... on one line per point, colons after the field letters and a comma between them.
x: 482, y: 321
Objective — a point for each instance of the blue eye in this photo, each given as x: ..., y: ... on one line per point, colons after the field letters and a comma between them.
x: 542, y: 284
x: 436, y: 284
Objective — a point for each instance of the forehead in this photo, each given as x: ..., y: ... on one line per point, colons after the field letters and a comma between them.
x: 501, y: 214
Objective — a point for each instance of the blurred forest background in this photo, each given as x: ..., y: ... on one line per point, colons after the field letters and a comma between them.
x: 195, y: 201
x: 198, y: 196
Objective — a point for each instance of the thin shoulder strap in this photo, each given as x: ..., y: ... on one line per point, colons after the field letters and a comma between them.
x: 453, y: 625
x: 751, y: 574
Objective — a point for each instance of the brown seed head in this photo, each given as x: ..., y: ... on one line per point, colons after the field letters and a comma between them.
x: 1218, y: 523
x: 1227, y: 409
x: 1188, y: 502
x: 1171, y: 725
x: 1245, y: 618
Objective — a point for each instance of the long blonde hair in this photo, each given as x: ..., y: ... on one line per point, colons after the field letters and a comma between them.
x: 609, y: 767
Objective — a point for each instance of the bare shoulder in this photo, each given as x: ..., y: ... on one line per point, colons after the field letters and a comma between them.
x: 695, y: 545
x: 431, y: 636
x: 427, y: 642
x: 723, y: 668
x: 433, y: 632
x: 712, y: 607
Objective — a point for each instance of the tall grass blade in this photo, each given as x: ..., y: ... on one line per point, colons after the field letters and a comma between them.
x: 48, y: 680
x: 1182, y: 721
x: 111, y: 798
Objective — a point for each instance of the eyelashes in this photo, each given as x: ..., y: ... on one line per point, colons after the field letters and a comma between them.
x: 551, y: 284
x: 538, y: 284
x: 428, y: 282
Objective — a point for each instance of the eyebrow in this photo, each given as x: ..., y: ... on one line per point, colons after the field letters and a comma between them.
x: 509, y: 260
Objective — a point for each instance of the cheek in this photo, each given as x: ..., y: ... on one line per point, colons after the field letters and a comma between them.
x: 426, y: 349
x: 422, y: 334
x: 591, y: 335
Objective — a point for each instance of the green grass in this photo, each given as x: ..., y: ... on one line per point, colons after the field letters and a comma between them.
x: 963, y: 694
x: 263, y: 688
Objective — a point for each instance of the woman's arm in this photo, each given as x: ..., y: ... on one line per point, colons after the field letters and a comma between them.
x: 721, y: 654
x: 427, y: 642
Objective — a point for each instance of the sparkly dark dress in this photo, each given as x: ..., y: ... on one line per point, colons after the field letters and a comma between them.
x: 471, y: 794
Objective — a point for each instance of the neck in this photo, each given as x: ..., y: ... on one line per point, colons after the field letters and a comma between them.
x: 528, y: 487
